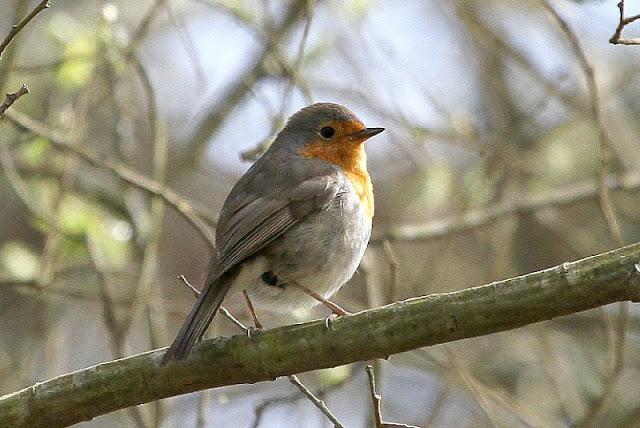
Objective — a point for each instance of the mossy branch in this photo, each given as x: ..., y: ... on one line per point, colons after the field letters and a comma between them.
x: 376, y: 333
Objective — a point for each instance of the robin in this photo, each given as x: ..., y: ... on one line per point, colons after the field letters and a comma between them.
x: 295, y: 225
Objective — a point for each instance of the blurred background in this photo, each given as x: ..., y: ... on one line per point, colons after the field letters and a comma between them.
x: 491, y: 166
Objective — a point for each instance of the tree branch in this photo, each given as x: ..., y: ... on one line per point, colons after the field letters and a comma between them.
x: 376, y: 401
x: 44, y: 4
x: 617, y: 38
x: 377, y: 333
x: 11, y: 98
x: 122, y: 171
x: 606, y: 206
x: 234, y: 95
x: 567, y: 195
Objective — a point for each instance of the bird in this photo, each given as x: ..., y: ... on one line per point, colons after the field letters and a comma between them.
x: 295, y: 226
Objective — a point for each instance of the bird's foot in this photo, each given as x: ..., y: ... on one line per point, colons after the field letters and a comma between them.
x: 335, y: 308
x: 335, y: 315
x: 254, y: 331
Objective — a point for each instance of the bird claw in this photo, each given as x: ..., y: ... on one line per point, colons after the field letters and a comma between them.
x: 329, y: 319
x: 253, y: 331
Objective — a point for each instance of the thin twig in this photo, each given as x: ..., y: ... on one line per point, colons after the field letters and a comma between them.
x: 123, y: 172
x: 617, y: 38
x: 21, y: 190
x: 260, y: 409
x: 292, y: 378
x: 157, y: 212
x: 21, y: 8
x: 557, y: 370
x: 44, y: 4
x: 186, y: 282
x: 607, y: 208
x: 178, y: 21
x: 603, y: 140
x: 145, y: 289
x: 393, y: 270
x: 493, y: 400
x: 294, y: 71
x: 320, y: 404
x: 233, y: 319
x: 210, y: 124
x: 439, y: 228
x: 113, y: 326
x: 376, y: 400
x: 288, y: 71
x: 567, y: 288
x: 11, y: 98
x: 143, y: 27
x: 203, y: 401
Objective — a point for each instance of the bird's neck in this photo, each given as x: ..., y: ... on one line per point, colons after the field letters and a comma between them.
x: 352, y: 159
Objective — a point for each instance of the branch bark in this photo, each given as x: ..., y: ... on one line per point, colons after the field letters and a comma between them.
x: 11, y: 98
x: 565, y: 196
x: 617, y: 38
x: 44, y: 4
x: 377, y: 333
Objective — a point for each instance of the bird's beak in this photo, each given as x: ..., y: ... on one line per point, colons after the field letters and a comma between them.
x: 366, y: 133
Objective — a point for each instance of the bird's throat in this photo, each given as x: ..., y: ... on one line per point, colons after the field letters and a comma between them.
x: 352, y: 159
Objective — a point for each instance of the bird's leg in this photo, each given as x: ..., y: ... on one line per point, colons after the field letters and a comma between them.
x: 257, y: 324
x: 328, y: 303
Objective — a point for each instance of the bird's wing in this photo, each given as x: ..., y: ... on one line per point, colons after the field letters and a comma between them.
x: 254, y: 224
x: 262, y: 220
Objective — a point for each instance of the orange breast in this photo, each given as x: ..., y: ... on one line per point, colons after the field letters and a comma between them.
x: 352, y: 158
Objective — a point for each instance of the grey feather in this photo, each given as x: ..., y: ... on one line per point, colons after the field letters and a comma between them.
x: 253, y: 226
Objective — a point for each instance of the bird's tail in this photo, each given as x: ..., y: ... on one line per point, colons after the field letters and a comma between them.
x: 198, y: 320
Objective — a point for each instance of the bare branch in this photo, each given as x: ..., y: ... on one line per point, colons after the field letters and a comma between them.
x: 617, y: 38
x: 567, y: 195
x: 320, y: 404
x: 606, y: 206
x: 115, y: 328
x: 240, y: 88
x: 377, y: 403
x: 186, y: 282
x: 393, y: 270
x: 603, y: 140
x: 11, y: 98
x: 153, y: 187
x: 292, y: 378
x: 568, y: 288
x: 21, y: 190
x: 44, y: 4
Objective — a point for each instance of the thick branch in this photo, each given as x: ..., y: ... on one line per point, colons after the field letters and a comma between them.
x: 376, y: 333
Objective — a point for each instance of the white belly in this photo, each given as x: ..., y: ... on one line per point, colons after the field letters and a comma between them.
x: 321, y: 253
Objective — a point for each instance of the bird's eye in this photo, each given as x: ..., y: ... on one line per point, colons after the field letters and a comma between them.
x: 327, y: 132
